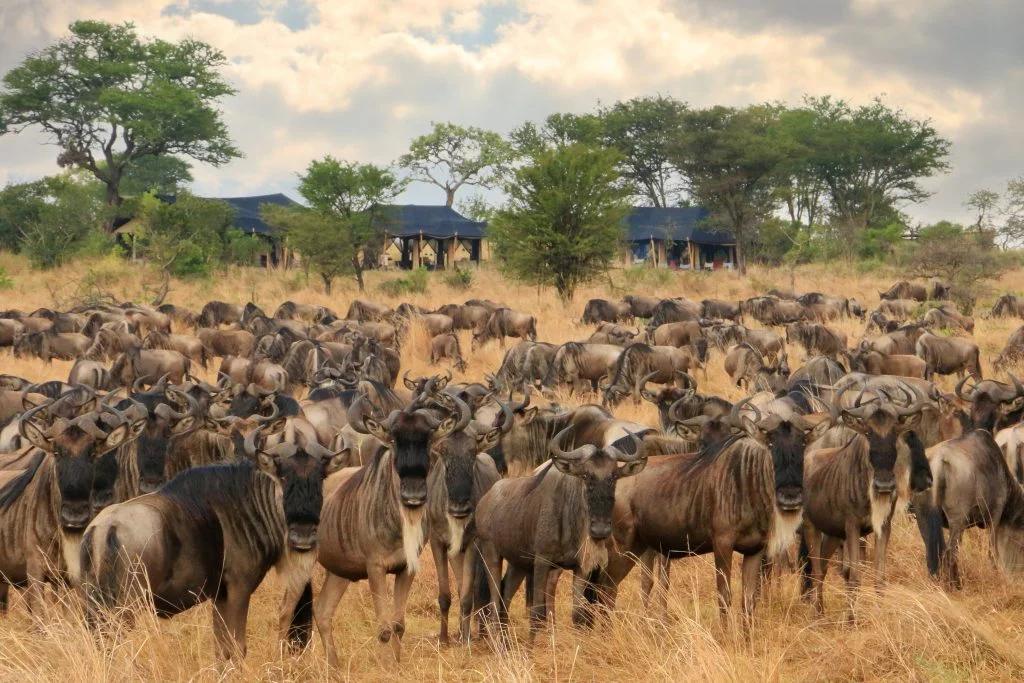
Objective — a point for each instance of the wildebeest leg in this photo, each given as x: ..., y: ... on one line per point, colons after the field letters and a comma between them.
x: 538, y: 605
x: 951, y: 558
x: 852, y: 552
x: 403, y: 583
x: 444, y: 590
x: 813, y: 540
x: 663, y: 574
x: 4, y: 590
x: 323, y: 612
x: 492, y: 570
x: 549, y: 593
x: 751, y: 583
x: 723, y: 571
x: 582, y: 611
x: 466, y: 585
x: 235, y: 612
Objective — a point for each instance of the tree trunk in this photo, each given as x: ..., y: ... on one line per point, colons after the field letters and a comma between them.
x: 164, y: 287
x: 327, y: 282
x: 358, y: 267
x: 741, y: 263
x: 113, y: 199
x: 449, y: 196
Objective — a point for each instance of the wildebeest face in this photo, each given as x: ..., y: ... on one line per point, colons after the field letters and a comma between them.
x: 882, y: 431
x: 301, y: 475
x: 599, y: 473
x: 787, y: 442
x: 410, y: 443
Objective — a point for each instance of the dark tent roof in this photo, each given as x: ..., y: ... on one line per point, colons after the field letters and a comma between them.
x: 673, y: 223
x: 247, y: 211
x: 438, y: 222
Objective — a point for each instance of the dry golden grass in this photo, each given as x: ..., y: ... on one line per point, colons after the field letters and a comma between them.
x: 911, y: 630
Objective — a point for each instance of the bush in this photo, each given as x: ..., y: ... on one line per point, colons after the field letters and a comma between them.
x: 6, y: 281
x: 241, y: 249
x: 458, y: 278
x: 413, y: 283
x: 191, y: 262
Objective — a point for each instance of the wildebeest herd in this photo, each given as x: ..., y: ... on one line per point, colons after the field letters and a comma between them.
x: 135, y: 482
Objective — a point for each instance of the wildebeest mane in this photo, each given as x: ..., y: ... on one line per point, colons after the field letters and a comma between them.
x: 13, y: 489
x: 708, y: 455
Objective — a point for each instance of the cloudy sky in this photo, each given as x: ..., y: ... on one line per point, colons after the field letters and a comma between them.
x: 359, y: 78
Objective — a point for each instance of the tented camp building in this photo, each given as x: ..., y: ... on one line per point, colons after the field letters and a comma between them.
x: 433, y: 237
x: 676, y: 237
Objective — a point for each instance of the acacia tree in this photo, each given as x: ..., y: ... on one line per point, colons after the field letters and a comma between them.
x: 558, y: 129
x: 871, y: 159
x: 451, y: 156
x: 563, y: 223
x: 346, y: 219
x: 643, y: 130
x: 109, y: 99
x: 727, y: 158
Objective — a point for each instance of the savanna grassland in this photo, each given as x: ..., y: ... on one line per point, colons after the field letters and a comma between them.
x: 910, y: 631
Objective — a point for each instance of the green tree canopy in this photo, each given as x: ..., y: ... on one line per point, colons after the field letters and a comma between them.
x: 159, y: 174
x: 347, y: 217
x: 558, y: 130
x: 109, y: 99
x: 563, y: 223
x: 54, y: 218
x: 451, y: 156
x: 728, y: 158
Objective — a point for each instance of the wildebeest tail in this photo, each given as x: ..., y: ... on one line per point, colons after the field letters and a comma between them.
x: 928, y: 507
x: 300, y: 630
x: 204, y: 357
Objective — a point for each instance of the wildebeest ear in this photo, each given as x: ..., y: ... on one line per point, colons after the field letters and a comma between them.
x: 183, y: 425
x: 684, y: 431
x: 409, y: 384
x: 854, y: 423
x: 266, y: 462
x: 376, y: 429
x: 911, y: 421
x: 529, y: 414
x: 818, y: 430
x: 441, y: 383
x: 486, y: 442
x: 631, y: 468
x: 115, y: 438
x: 35, y: 436
x: 137, y: 428
x: 338, y: 461
x: 649, y: 395
x: 446, y: 427
x: 566, y: 466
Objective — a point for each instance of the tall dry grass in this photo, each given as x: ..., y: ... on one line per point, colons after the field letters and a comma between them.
x: 910, y: 631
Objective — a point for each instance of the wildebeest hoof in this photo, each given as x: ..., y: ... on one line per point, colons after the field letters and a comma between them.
x: 384, y: 634
x: 398, y: 628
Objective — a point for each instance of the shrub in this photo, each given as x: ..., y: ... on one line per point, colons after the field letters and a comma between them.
x: 413, y: 283
x: 6, y: 281
x: 457, y: 278
x: 190, y: 262
x: 641, y: 276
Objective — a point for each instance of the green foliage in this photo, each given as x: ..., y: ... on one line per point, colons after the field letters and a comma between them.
x: 157, y: 174
x: 477, y: 208
x: 558, y: 130
x: 20, y: 205
x: 62, y: 216
x: 451, y: 156
x: 185, y: 237
x: 413, y: 283
x: 645, y: 276
x: 945, y: 250
x: 562, y: 225
x: 876, y: 242
x: 242, y: 249
x: 458, y: 278
x: 643, y: 130
x: 351, y: 202
x: 6, y: 281
x: 109, y: 99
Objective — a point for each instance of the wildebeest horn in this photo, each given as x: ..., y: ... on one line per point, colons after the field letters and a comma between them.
x: 734, y: 414
x: 691, y: 383
x: 161, y: 384
x: 623, y: 456
x: 356, y: 413
x: 30, y: 415
x: 960, y: 389
x: 258, y: 391
x: 581, y: 453
x: 673, y: 409
x: 507, y: 416
x: 137, y: 385
x: 517, y: 407
x: 917, y: 406
x: 641, y: 383
x: 275, y: 412
x: 250, y: 441
x: 1018, y: 390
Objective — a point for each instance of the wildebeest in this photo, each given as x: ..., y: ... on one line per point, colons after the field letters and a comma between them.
x: 673, y: 311
x: 146, y: 366
x: 466, y: 317
x: 816, y: 339
x: 373, y: 521
x: 948, y: 318
x: 719, y: 310
x: 735, y: 495
x: 46, y: 507
x: 560, y: 517
x: 503, y: 323
x: 905, y: 290
x: 641, y: 306
x: 50, y: 344
x: 447, y: 346
x: 876, y: 363
x: 676, y: 334
x: 91, y: 373
x: 217, y: 313
x: 212, y: 533
x: 436, y: 323
x: 578, y: 365
x: 187, y: 345
x: 308, y: 313
x: 948, y: 355
x: 227, y: 342
x: 898, y: 309
x: 9, y: 330
x: 1008, y: 306
x: 851, y: 490
x: 1013, y: 350
x: 745, y: 365
x: 660, y: 364
x: 772, y: 311
x: 602, y: 310
x: 974, y: 487
x: 902, y: 341
x: 364, y: 311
